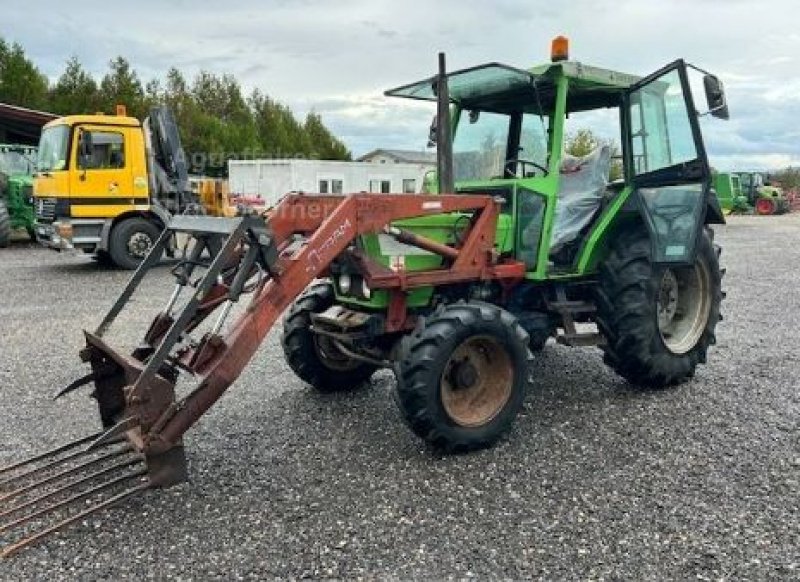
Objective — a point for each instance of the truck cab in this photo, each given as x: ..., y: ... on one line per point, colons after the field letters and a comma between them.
x: 103, y: 187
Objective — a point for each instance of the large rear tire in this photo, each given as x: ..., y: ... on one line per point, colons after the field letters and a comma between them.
x: 314, y: 358
x: 5, y: 225
x: 462, y: 376
x: 658, y: 321
x: 766, y: 206
x: 131, y: 240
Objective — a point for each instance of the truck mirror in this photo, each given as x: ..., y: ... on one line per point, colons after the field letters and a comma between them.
x: 715, y: 97
x: 85, y: 148
x: 432, y: 133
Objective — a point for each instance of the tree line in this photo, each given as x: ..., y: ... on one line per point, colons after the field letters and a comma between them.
x: 216, y: 119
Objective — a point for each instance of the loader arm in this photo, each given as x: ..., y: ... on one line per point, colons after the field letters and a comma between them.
x: 270, y: 260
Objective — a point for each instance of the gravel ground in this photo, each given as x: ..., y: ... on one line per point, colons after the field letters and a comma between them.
x: 597, y: 480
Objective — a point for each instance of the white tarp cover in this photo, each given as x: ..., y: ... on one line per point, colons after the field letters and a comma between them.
x: 583, y: 185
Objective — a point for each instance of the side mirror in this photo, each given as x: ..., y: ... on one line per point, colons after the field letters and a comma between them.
x: 715, y: 97
x: 432, y: 139
x: 85, y: 149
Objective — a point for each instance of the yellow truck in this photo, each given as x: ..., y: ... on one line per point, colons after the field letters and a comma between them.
x: 108, y: 185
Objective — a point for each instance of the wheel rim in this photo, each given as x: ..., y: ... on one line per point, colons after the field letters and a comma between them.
x: 765, y: 206
x: 332, y: 356
x: 477, y: 381
x: 139, y: 244
x: 683, y: 306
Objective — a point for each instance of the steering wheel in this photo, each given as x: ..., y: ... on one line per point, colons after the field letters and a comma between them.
x: 511, y: 165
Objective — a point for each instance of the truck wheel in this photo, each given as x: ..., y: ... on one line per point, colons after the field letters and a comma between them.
x: 462, y: 376
x: 658, y: 321
x: 131, y: 240
x: 314, y: 358
x: 5, y: 225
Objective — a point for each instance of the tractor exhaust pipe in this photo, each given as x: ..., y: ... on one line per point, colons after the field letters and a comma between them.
x: 444, y: 134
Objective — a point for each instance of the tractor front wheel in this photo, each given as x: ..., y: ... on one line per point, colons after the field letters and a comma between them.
x: 766, y: 206
x: 5, y: 225
x: 313, y: 357
x: 462, y: 375
x: 658, y: 321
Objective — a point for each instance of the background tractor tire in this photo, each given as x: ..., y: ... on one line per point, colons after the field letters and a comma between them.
x: 462, y: 375
x: 634, y: 302
x: 131, y: 240
x: 766, y: 206
x: 5, y: 225
x: 314, y: 358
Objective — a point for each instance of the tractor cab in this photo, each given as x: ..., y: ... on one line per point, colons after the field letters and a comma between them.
x: 507, y: 136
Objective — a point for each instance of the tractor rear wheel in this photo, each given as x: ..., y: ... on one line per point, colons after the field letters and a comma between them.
x: 766, y: 206
x: 658, y: 321
x: 462, y: 375
x: 5, y: 225
x: 315, y: 358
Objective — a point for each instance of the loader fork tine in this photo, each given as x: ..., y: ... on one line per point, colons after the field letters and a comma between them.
x: 51, y: 486
x: 50, y: 453
x: 45, y: 467
x: 17, y: 546
x: 66, y: 473
x: 67, y: 487
x: 82, y: 495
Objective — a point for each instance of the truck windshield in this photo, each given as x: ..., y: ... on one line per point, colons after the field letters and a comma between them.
x: 53, y: 149
x: 482, y: 139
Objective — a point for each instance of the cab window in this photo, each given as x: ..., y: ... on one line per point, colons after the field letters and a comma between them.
x: 479, y: 146
x: 107, y: 151
x: 661, y: 129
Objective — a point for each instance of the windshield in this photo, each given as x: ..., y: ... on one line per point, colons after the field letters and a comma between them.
x: 482, y: 139
x: 53, y: 149
x: 14, y: 163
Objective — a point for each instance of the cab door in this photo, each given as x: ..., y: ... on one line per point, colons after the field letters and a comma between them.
x: 665, y: 160
x: 101, y: 180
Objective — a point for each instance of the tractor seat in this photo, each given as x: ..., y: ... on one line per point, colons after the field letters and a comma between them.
x: 583, y: 185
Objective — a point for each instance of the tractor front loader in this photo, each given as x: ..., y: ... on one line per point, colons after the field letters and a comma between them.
x: 268, y: 263
x: 454, y: 292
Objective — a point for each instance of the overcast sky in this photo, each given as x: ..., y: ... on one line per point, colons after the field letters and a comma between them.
x: 337, y: 57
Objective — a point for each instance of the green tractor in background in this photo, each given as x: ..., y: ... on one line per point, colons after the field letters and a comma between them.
x: 729, y: 193
x: 17, y: 163
x: 765, y: 197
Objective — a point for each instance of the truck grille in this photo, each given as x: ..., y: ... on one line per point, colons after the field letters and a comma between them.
x: 45, y: 209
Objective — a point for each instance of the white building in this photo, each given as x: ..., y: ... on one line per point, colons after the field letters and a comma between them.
x: 387, y: 156
x: 271, y: 179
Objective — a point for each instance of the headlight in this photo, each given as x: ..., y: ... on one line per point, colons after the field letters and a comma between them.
x: 365, y: 290
x: 344, y: 283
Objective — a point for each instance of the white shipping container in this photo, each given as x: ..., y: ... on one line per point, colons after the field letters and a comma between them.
x: 272, y: 179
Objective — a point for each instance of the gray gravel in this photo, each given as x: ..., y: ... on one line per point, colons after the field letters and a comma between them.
x: 597, y: 480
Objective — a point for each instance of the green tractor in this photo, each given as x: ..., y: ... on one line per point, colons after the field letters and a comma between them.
x: 17, y: 163
x: 629, y: 265
x: 728, y: 189
x: 765, y: 197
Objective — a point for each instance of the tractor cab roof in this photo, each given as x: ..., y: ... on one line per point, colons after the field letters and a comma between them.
x: 506, y: 89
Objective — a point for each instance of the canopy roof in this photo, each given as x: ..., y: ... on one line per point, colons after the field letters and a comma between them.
x: 502, y: 88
